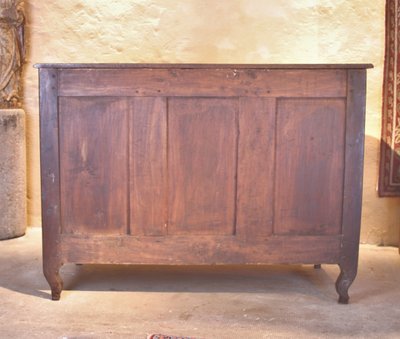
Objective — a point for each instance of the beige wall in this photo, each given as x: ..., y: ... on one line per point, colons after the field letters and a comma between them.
x: 215, y: 31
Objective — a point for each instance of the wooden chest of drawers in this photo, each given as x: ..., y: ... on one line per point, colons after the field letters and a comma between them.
x: 201, y: 164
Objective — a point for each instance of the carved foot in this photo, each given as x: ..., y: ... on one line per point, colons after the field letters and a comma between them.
x: 343, y: 282
x: 56, y: 293
x: 317, y: 266
x: 53, y: 277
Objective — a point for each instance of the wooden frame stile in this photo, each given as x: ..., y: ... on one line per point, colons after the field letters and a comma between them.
x: 353, y: 180
x: 50, y: 180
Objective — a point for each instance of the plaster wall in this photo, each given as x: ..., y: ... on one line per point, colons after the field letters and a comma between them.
x: 210, y: 31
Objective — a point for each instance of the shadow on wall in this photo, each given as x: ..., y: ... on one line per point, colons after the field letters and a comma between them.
x: 380, y: 215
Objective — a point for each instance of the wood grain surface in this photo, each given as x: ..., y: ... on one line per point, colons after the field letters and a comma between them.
x: 148, y: 166
x: 309, y: 166
x: 202, y: 148
x: 93, y: 158
x: 255, y: 193
x: 203, y: 82
x: 205, y: 250
x: 50, y: 180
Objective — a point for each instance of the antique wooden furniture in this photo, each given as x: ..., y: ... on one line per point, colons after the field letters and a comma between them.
x: 201, y: 164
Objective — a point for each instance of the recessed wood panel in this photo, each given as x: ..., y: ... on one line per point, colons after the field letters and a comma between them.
x: 148, y: 166
x: 309, y: 166
x: 256, y: 155
x: 202, y: 149
x: 93, y: 165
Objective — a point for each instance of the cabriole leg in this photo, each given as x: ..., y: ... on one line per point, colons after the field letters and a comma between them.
x: 52, y: 274
x: 343, y: 282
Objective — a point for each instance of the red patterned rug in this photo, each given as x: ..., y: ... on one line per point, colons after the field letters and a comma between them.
x: 163, y: 336
x: 389, y: 171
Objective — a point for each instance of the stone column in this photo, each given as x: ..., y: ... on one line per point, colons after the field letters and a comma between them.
x: 12, y: 120
x: 12, y: 173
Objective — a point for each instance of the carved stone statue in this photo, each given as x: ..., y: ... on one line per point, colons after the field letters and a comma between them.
x: 12, y: 52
